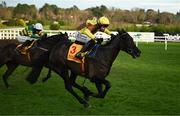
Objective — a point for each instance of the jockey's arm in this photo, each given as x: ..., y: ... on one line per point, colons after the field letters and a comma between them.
x: 35, y: 36
x: 39, y: 35
x: 107, y: 31
x: 88, y: 33
x: 25, y: 32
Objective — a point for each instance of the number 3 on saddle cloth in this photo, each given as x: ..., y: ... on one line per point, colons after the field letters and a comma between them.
x: 75, y: 48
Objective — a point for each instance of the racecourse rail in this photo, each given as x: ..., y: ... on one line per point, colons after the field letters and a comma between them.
x: 12, y: 33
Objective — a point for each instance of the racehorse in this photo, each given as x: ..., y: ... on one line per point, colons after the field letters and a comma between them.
x: 96, y: 69
x: 38, y: 57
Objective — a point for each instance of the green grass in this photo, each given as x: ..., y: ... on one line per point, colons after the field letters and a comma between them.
x: 147, y: 85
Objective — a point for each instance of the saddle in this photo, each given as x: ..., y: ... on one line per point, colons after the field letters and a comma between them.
x: 24, y: 49
x: 75, y: 48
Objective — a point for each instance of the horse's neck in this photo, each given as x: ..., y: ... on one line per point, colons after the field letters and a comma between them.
x: 111, y: 51
x: 48, y: 43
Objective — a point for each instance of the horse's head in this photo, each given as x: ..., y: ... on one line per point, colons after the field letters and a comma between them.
x: 63, y: 35
x: 127, y: 44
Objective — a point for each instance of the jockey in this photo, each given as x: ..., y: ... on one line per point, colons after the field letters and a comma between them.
x: 86, y: 34
x: 33, y: 31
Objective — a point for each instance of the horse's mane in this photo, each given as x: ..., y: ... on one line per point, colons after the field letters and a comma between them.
x: 120, y: 32
x: 54, y: 38
x: 58, y: 36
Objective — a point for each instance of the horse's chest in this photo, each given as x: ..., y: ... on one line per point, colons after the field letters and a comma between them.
x: 98, y: 70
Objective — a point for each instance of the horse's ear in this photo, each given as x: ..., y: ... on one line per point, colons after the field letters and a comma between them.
x: 123, y: 31
x: 60, y: 33
x: 66, y: 33
x: 118, y: 30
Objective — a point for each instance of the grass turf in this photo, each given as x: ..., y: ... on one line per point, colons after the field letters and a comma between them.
x: 147, y: 85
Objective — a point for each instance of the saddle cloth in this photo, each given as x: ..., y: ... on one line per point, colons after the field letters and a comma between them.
x: 73, y: 50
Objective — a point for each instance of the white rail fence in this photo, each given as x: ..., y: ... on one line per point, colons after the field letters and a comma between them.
x: 12, y: 33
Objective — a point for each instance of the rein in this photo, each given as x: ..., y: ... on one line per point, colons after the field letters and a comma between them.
x: 41, y: 48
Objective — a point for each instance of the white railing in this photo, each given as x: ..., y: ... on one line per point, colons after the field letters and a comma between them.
x: 12, y: 33
x: 9, y: 33
x: 167, y: 38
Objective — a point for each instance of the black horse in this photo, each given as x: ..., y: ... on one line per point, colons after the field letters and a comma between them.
x: 38, y: 57
x: 96, y: 69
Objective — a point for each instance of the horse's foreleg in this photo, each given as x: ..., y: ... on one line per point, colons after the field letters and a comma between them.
x: 99, y: 88
x: 84, y: 89
x: 68, y: 85
x: 34, y: 74
x: 48, y: 76
x: 101, y: 93
x: 9, y: 71
x: 107, y: 87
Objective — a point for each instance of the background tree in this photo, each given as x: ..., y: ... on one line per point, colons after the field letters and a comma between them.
x: 166, y: 18
x: 24, y: 11
x: 99, y: 11
x: 151, y: 15
x: 49, y: 12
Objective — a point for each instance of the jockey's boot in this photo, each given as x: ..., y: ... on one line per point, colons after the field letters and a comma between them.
x: 89, y: 45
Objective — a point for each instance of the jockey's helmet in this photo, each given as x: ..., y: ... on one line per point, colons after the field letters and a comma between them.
x: 92, y: 21
x: 38, y: 26
x: 103, y: 21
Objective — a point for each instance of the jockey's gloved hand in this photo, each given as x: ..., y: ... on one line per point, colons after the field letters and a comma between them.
x: 44, y: 36
x: 99, y: 40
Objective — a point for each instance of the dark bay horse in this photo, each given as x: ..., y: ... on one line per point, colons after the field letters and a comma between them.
x: 39, y: 57
x: 96, y: 69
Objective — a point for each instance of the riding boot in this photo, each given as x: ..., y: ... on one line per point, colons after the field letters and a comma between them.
x: 89, y: 45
